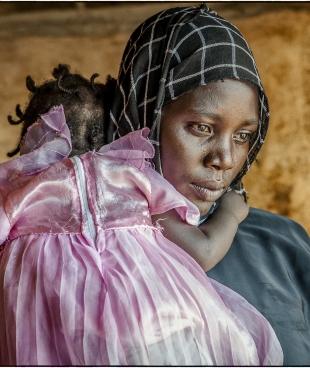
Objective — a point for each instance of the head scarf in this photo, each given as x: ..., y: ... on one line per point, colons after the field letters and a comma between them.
x: 172, y: 53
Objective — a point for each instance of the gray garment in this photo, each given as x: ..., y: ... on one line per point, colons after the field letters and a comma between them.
x: 269, y: 265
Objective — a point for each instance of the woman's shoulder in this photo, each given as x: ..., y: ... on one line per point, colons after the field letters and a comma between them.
x: 268, y: 264
x: 266, y: 221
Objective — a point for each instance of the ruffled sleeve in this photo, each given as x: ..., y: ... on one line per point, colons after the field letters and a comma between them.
x: 47, y: 141
x: 134, y: 149
x: 165, y: 197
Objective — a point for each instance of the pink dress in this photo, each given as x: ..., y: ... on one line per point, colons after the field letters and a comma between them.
x: 87, y: 279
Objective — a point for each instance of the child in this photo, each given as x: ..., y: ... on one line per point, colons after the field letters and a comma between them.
x: 86, y: 275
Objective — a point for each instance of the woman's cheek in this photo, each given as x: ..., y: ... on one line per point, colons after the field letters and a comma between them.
x: 242, y: 155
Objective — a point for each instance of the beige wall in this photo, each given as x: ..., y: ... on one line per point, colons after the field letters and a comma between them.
x: 92, y: 40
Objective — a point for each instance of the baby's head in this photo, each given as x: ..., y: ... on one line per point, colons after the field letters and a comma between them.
x: 84, y: 103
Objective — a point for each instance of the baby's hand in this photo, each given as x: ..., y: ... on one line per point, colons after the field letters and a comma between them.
x: 234, y: 204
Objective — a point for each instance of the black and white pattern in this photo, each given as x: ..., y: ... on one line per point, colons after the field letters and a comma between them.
x: 171, y: 53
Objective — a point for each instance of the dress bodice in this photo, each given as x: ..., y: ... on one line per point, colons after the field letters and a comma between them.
x: 114, y: 187
x: 118, y: 193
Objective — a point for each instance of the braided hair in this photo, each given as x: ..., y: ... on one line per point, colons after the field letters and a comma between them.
x: 84, y: 102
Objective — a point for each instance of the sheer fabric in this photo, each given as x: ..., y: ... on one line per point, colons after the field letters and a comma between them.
x: 86, y: 278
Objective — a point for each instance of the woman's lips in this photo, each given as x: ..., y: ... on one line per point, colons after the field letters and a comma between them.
x: 209, y: 192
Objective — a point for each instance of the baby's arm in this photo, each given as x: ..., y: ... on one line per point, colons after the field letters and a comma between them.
x: 209, y: 243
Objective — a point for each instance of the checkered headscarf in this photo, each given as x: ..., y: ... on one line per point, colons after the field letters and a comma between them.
x: 171, y: 53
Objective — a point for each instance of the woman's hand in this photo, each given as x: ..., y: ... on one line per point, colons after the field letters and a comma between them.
x: 233, y: 203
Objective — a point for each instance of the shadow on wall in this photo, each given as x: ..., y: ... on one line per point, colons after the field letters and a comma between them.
x: 34, y: 37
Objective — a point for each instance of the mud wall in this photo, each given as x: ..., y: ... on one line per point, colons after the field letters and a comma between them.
x: 91, y: 39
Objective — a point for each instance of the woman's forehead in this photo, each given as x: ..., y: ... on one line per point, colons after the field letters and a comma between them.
x: 213, y: 93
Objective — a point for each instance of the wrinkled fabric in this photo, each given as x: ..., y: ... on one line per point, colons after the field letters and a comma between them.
x: 87, y: 279
x: 268, y: 264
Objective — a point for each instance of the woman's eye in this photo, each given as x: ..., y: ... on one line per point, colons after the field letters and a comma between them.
x: 243, y: 137
x: 201, y: 129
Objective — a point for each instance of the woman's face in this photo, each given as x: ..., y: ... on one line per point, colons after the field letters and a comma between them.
x: 205, y: 137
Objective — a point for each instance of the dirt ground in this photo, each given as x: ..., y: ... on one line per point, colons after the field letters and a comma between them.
x: 91, y: 39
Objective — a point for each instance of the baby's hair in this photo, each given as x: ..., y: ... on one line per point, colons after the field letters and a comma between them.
x: 86, y: 104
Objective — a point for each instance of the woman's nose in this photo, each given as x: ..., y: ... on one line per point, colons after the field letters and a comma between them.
x: 220, y: 156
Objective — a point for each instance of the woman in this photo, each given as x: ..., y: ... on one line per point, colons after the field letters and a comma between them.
x: 168, y: 64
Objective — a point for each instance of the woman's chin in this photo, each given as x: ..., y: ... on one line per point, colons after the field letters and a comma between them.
x: 203, y: 205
